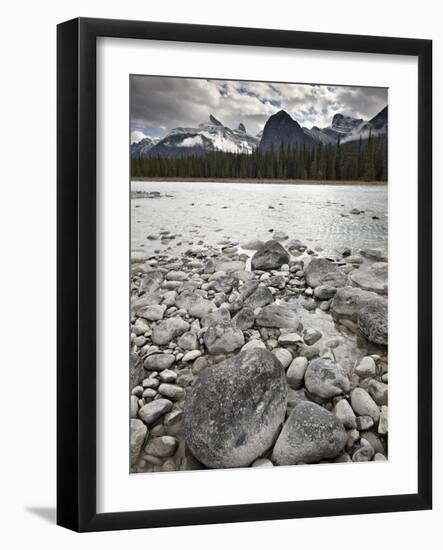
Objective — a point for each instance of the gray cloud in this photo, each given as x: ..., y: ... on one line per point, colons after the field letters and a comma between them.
x: 159, y: 104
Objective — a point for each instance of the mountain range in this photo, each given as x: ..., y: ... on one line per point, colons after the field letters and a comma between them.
x: 280, y: 130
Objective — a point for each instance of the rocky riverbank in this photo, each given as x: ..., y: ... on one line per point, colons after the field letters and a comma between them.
x: 259, y: 354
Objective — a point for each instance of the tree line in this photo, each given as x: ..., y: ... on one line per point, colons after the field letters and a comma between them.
x: 364, y: 160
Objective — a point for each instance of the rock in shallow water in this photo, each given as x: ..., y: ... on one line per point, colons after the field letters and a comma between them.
x: 372, y: 321
x: 234, y: 410
x: 373, y: 277
x: 277, y: 316
x: 310, y: 434
x: 321, y: 271
x: 271, y: 255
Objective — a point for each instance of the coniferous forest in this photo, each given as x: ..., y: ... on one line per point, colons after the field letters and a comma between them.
x: 363, y: 160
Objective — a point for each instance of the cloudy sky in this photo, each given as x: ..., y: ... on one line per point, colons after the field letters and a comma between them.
x: 159, y: 104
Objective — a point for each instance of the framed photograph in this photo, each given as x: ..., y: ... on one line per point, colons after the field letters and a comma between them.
x: 244, y: 274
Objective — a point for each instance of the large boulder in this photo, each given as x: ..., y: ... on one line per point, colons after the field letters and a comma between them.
x: 235, y: 409
x: 310, y: 434
x: 321, y: 271
x: 271, y: 255
x: 372, y: 320
x: 373, y: 277
x: 326, y: 379
x: 277, y: 316
x: 223, y: 337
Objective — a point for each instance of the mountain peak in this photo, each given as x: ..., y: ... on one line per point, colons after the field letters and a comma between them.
x: 214, y: 121
x: 344, y: 124
x: 241, y: 127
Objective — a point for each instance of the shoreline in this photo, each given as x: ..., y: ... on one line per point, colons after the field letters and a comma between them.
x: 264, y: 181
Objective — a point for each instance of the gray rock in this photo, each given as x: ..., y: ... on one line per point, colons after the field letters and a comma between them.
x: 326, y: 379
x: 364, y: 454
x: 296, y: 372
x: 261, y: 297
x: 159, y: 361
x: 311, y: 336
x: 162, y: 447
x: 262, y: 463
x: 378, y: 391
x: 167, y: 376
x: 293, y: 339
x: 140, y: 326
x: 234, y: 410
x: 167, y: 330
x: 366, y: 367
x: 372, y: 277
x: 200, y: 308
x: 277, y: 316
x: 136, y: 370
x: 283, y: 355
x: 325, y: 292
x: 378, y: 457
x: 378, y: 254
x: 364, y: 423
x: 153, y: 411
x: 253, y: 245
x: 383, y: 422
x: 188, y: 341
x: 138, y: 256
x: 310, y: 434
x: 138, y: 435
x: 343, y: 411
x: 174, y: 275
x: 223, y: 337
x: 141, y: 302
x: 254, y: 344
x: 244, y: 319
x: 152, y: 313
x: 271, y: 255
x: 372, y: 321
x: 363, y: 404
x: 321, y: 271
x: 191, y: 355
x: 349, y: 300
x: 134, y: 406
x: 151, y: 281
x: 171, y: 391
x: 230, y: 266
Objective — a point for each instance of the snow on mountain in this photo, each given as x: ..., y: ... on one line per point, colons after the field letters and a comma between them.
x: 141, y: 148
x: 207, y: 137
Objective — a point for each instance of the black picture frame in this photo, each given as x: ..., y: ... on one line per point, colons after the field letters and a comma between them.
x: 76, y: 266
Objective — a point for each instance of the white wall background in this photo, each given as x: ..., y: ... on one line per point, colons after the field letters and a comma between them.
x: 27, y: 287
